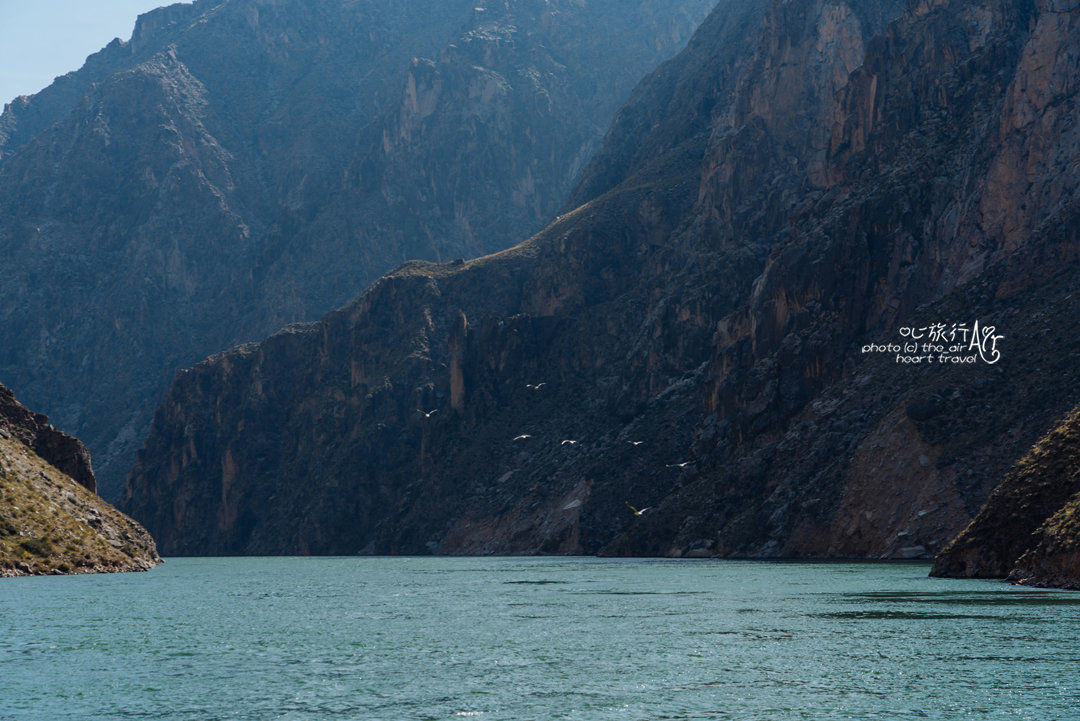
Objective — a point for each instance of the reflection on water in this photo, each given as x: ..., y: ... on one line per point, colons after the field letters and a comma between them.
x: 588, y: 639
x: 902, y: 615
x: 1001, y: 598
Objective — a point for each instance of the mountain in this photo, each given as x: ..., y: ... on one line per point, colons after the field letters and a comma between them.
x: 51, y: 521
x: 243, y: 164
x: 807, y: 179
x: 1029, y: 529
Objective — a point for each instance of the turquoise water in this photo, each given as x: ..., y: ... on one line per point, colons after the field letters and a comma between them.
x: 533, y: 639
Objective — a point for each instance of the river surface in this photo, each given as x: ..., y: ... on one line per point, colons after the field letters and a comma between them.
x: 531, y: 640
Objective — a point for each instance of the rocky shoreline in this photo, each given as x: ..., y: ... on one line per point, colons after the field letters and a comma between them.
x: 1029, y: 530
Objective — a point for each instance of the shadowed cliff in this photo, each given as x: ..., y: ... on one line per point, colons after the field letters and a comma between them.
x: 242, y: 164
x: 807, y: 177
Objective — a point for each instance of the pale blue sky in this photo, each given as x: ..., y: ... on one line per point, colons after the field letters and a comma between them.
x: 40, y: 39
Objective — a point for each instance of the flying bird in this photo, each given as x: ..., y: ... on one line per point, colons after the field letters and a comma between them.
x: 635, y: 443
x: 535, y: 387
x: 684, y: 464
x: 522, y: 437
x: 427, y: 414
x: 568, y: 442
x: 636, y: 511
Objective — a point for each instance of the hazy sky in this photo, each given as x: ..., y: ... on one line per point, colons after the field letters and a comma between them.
x: 40, y: 39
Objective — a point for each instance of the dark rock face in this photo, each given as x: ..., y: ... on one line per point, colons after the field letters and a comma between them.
x: 51, y: 521
x: 807, y: 177
x: 1029, y: 529
x: 245, y: 164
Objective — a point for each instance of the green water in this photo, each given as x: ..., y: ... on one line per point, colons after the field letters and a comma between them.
x: 533, y: 639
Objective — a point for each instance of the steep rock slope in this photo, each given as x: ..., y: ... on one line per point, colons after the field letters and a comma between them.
x: 51, y: 521
x: 242, y: 164
x: 1054, y: 558
x: 1028, y: 530
x: 34, y: 431
x: 806, y: 178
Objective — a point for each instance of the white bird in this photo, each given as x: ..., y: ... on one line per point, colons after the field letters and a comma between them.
x: 522, y: 437
x: 535, y: 387
x: 427, y: 414
x: 636, y: 511
x: 635, y: 443
x: 568, y: 442
x: 684, y: 464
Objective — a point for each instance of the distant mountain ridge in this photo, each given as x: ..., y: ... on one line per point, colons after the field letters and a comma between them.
x: 805, y: 178
x: 243, y: 164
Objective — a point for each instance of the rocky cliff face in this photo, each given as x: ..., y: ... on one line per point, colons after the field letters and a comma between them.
x: 51, y: 521
x: 242, y: 164
x: 1029, y: 529
x: 807, y: 178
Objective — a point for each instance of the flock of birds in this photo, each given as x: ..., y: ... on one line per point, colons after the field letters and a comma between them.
x: 570, y: 442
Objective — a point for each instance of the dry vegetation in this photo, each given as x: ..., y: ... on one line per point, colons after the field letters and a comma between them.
x: 51, y: 524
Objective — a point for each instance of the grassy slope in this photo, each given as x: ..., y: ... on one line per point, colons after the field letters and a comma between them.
x: 51, y: 524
